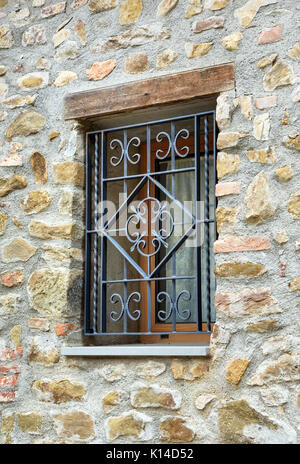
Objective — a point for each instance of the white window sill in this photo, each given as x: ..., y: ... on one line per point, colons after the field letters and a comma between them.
x: 137, y: 350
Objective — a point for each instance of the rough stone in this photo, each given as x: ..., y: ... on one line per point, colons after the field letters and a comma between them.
x: 292, y: 142
x: 173, y: 429
x: 154, y: 396
x: 74, y: 425
x: 58, y: 391
x: 53, y: 10
x: 137, y: 63
x: 39, y: 167
x: 45, y: 231
x: 194, y: 8
x: 223, y: 111
x: 35, y: 35
x: 227, y: 164
x: 17, y: 101
x: 165, y: 58
x: 113, y: 373
x: 55, y: 292
x: 138, y: 35
x: 229, y: 139
x: 30, y: 422
x: 215, y: 4
x: 214, y: 22
x: 69, y: 172
x: 280, y: 74
x: 240, y: 269
x: 3, y: 70
x: 259, y: 201
x: 234, y: 416
x: 38, y: 324
x: 17, y: 250
x: 80, y: 31
x: 6, y: 37
x: 130, y: 424
x: 245, y: 103
x: 231, y: 243
x: 230, y: 42
x: 264, y: 326
x: 294, y: 52
x: 97, y: 6
x: 266, y: 61
x: 193, y: 50
x: 65, y: 329
x: 60, y: 36
x: 236, y: 370
x: 284, y: 173
x: 284, y: 369
x: 226, y: 218
x: 35, y: 201
x: 68, y: 51
x: 101, y: 69
x: 261, y: 126
x: 130, y: 11
x: 247, y: 302
x: 9, y: 184
x: 274, y: 395
x: 263, y: 103
x: 12, y: 279
x: 203, y: 400
x: 294, y: 205
x: 247, y: 12
x: 64, y: 78
x: 3, y: 222
x: 264, y: 156
x: 189, y: 370
x: 26, y: 123
x: 8, y: 305
x: 228, y: 188
x: 165, y: 7
x: 150, y: 369
x: 270, y: 35
x: 45, y: 357
x: 294, y: 284
x: 15, y: 334
x: 34, y: 80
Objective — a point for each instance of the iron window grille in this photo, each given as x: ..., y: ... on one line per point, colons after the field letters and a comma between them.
x: 142, y: 281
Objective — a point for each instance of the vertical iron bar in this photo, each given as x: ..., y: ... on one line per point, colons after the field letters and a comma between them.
x: 149, y: 298
x: 88, y: 222
x: 103, y: 240
x: 124, y: 259
x: 207, y: 239
x: 198, y: 224
x: 173, y: 262
x: 96, y: 188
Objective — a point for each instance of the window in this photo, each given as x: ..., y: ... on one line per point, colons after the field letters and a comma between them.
x: 150, y: 229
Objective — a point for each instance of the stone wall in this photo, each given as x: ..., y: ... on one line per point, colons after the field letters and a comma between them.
x: 246, y: 391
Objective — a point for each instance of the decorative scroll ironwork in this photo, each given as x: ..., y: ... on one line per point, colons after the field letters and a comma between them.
x: 116, y: 297
x: 163, y: 315
x: 133, y: 159
x: 181, y: 152
x: 160, y: 234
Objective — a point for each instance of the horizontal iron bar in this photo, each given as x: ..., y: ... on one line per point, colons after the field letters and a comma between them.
x: 151, y: 123
x: 148, y: 279
x: 137, y: 176
x: 200, y: 221
x: 147, y: 333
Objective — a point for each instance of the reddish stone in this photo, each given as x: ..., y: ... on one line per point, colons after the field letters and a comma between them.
x: 52, y: 10
x: 263, y: 103
x: 232, y: 243
x: 64, y: 329
x: 38, y: 323
x: 6, y: 397
x: 9, y: 354
x: 18, y: 68
x: 78, y: 3
x: 274, y: 34
x: 13, y: 369
x: 228, y: 188
x: 12, y: 279
x: 8, y: 381
x: 101, y: 69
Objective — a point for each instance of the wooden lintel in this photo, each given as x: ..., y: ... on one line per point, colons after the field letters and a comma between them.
x: 145, y: 93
